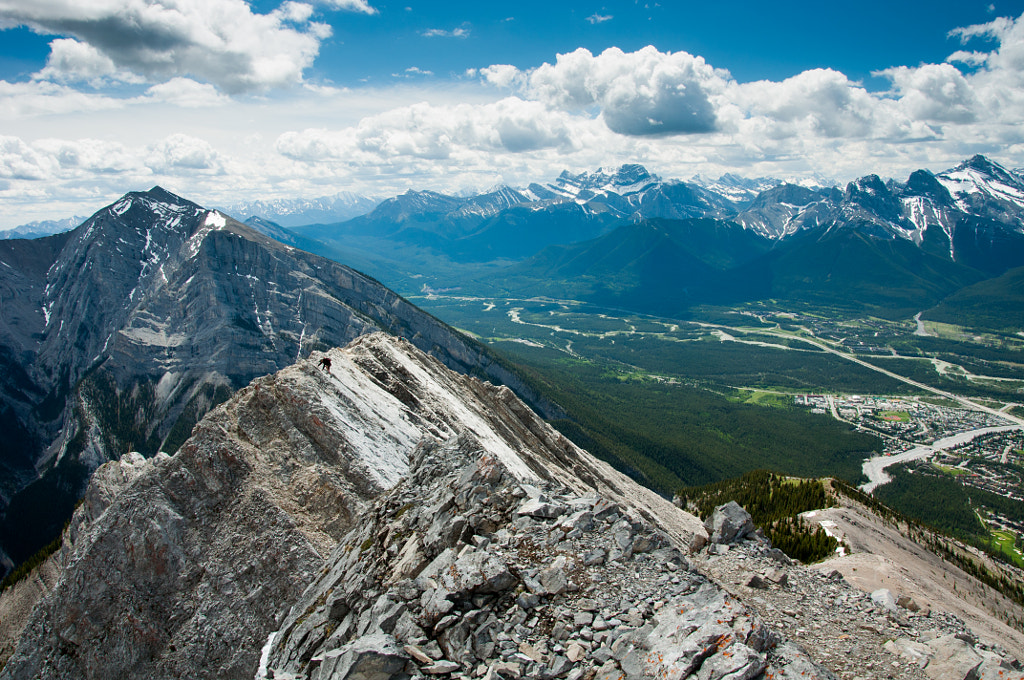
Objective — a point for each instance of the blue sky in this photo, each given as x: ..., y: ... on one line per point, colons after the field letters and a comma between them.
x: 223, y: 100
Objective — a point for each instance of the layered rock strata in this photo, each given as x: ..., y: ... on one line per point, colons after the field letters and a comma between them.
x: 464, y: 571
x: 183, y: 570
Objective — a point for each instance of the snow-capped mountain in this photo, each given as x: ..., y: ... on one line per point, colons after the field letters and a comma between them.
x: 739, y: 190
x: 42, y: 228
x: 978, y: 194
x: 301, y: 211
x: 984, y: 188
x: 626, y: 181
x: 633, y: 193
x: 125, y: 331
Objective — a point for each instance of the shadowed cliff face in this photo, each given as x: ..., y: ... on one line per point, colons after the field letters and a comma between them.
x: 201, y: 552
x: 121, y: 334
x: 389, y: 515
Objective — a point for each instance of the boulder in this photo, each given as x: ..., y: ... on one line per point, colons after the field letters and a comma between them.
x: 371, y: 657
x: 952, y: 659
x: 729, y: 523
x: 884, y: 598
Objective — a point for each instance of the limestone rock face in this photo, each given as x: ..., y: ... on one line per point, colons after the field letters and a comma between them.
x: 200, y: 552
x: 511, y: 595
x: 159, y: 308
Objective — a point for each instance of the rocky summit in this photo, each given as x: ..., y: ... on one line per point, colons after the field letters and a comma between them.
x: 380, y: 516
x: 123, y: 333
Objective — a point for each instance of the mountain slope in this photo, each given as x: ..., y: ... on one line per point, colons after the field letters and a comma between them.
x: 127, y: 330
x: 653, y: 266
x: 996, y: 304
x: 389, y: 518
x: 850, y: 268
x: 199, y: 551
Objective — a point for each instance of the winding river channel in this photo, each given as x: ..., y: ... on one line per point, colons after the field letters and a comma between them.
x: 874, y: 468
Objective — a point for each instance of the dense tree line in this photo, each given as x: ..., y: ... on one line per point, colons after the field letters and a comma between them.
x: 774, y: 503
x: 27, y: 566
x: 937, y: 501
x: 671, y: 435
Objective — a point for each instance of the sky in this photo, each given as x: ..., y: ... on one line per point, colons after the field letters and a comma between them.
x: 223, y: 101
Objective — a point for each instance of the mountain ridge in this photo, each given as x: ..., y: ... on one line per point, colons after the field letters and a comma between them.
x: 287, y: 465
x: 386, y: 517
x: 129, y: 328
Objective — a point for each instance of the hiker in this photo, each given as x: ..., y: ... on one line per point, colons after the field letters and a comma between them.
x: 325, y: 364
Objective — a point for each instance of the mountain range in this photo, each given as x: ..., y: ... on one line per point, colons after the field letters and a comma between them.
x: 257, y: 511
x: 121, y: 334
x: 632, y: 240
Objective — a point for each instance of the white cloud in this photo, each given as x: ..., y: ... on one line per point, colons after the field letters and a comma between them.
x: 412, y: 72
x: 637, y: 93
x: 424, y: 131
x: 83, y: 157
x: 19, y: 161
x: 502, y: 75
x: 934, y: 92
x: 220, y: 41
x: 673, y: 112
x: 187, y: 93
x: 19, y: 100
x: 73, y: 61
x: 818, y: 103
x: 360, y: 6
x: 183, y: 152
x: 460, y: 32
x: 596, y: 18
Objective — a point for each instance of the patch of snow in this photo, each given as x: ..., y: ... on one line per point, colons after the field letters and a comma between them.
x: 265, y: 655
x: 215, y: 220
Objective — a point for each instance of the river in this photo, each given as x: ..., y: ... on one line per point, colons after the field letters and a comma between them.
x: 874, y: 468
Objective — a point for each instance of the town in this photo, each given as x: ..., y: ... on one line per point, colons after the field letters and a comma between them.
x: 953, y: 441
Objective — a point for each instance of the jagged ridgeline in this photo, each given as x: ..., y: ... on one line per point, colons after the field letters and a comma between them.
x: 632, y: 240
x: 774, y: 502
x: 388, y: 518
x: 121, y: 334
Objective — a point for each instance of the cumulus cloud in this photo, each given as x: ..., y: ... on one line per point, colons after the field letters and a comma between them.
x: 19, y: 161
x: 54, y: 160
x: 85, y: 156
x: 187, y: 93
x: 73, y: 61
x: 819, y: 102
x: 183, y: 152
x: 502, y: 75
x: 671, y: 111
x: 646, y: 92
x: 360, y: 6
x: 934, y: 92
x: 19, y: 100
x: 596, y: 18
x: 220, y: 41
x: 433, y: 132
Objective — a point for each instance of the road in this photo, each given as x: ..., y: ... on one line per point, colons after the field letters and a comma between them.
x: 874, y: 468
x: 1018, y: 422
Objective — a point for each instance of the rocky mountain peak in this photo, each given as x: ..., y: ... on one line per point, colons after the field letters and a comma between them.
x: 627, y: 179
x: 235, y: 525
x: 160, y: 308
x: 379, y: 516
